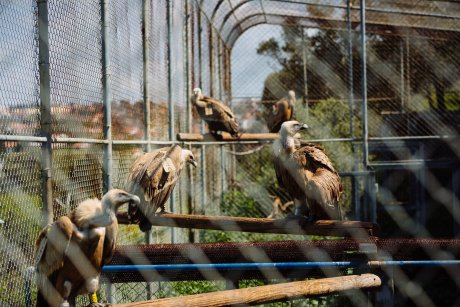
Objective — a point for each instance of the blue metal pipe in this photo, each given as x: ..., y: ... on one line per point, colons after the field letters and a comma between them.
x: 276, y: 265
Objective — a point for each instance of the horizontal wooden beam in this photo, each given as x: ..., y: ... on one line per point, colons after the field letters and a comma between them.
x: 269, y: 293
x: 224, y: 136
x: 265, y: 225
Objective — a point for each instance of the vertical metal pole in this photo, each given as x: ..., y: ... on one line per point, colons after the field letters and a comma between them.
x: 188, y: 85
x: 45, y: 110
x: 169, y: 63
x: 188, y: 59
x: 203, y: 147
x: 402, y: 72
x: 145, y: 67
x: 407, y: 79
x: 106, y: 98
x: 145, y: 23
x: 351, y: 102
x: 107, y: 167
x: 455, y: 200
x: 172, y: 136
x: 305, y: 75
x: 222, y: 174
x: 362, y: 10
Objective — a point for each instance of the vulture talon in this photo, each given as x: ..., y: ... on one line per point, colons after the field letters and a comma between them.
x: 163, y: 212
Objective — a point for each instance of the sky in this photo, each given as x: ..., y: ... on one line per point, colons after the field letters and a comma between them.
x: 249, y: 69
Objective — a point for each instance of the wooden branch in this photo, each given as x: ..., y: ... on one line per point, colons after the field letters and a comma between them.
x: 266, y: 225
x: 224, y: 136
x: 269, y: 293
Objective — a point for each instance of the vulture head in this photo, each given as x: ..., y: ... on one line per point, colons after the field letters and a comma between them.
x: 187, y: 157
x: 291, y: 129
x: 197, y: 96
x: 110, y: 203
x: 289, y: 135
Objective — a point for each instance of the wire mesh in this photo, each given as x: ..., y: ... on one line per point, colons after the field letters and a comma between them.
x: 247, y: 54
x: 158, y: 83
x: 75, y: 68
x: 19, y: 105
x: 126, y: 71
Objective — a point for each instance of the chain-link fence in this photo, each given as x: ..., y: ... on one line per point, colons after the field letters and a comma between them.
x: 86, y: 87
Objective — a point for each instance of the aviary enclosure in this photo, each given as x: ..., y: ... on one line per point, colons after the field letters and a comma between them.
x: 87, y: 86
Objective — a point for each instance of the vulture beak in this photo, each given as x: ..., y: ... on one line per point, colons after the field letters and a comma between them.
x: 134, y: 201
x: 193, y: 162
x: 303, y: 127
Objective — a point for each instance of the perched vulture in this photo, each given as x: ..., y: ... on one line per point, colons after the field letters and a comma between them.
x: 307, y: 174
x: 152, y: 177
x: 282, y: 111
x: 215, y: 113
x: 71, y: 251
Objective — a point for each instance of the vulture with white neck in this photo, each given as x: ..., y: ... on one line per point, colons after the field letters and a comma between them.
x: 282, y: 111
x: 152, y: 177
x: 215, y: 113
x: 307, y: 174
x: 71, y: 251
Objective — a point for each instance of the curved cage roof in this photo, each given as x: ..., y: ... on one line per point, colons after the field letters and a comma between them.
x: 433, y: 18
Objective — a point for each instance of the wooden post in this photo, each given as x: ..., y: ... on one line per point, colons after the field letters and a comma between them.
x: 269, y: 293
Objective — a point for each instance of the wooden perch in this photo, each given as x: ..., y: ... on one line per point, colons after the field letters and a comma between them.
x: 269, y: 293
x: 264, y: 225
x: 224, y: 136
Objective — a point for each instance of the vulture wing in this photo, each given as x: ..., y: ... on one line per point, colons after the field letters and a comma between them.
x: 109, y: 242
x: 283, y: 112
x: 218, y: 116
x: 51, y: 246
x: 323, y: 184
x: 153, y: 176
x: 219, y: 106
x: 50, y: 254
x: 315, y: 156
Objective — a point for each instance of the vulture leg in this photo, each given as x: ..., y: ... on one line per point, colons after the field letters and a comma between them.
x: 301, y: 208
x: 93, y: 300
x: 66, y: 293
x: 301, y: 216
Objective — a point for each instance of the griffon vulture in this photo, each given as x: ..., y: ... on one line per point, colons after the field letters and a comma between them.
x: 282, y: 111
x: 152, y: 177
x: 307, y: 174
x: 71, y: 251
x: 215, y: 113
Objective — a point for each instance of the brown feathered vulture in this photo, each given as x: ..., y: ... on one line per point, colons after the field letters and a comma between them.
x: 282, y: 111
x: 152, y: 177
x: 307, y: 174
x: 71, y: 251
x: 215, y: 113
